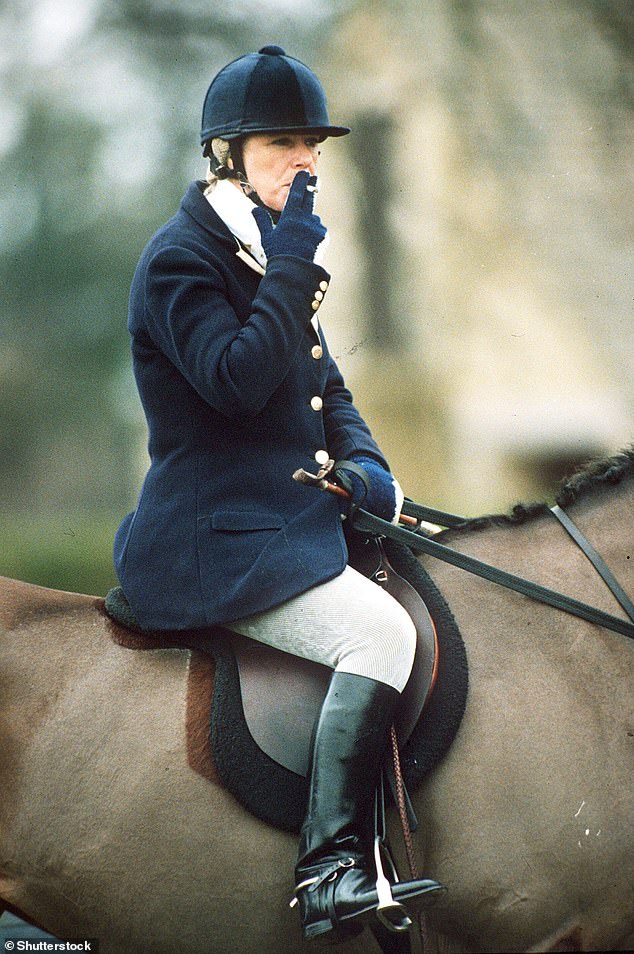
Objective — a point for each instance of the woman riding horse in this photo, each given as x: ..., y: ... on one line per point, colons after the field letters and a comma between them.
x: 239, y: 390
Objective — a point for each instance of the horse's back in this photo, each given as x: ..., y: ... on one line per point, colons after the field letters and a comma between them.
x: 99, y: 786
x: 20, y: 602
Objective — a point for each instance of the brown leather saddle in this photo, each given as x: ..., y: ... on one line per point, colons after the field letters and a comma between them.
x: 253, y: 708
x: 282, y: 694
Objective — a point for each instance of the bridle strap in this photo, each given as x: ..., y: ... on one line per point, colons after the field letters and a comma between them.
x: 596, y: 560
x: 375, y: 526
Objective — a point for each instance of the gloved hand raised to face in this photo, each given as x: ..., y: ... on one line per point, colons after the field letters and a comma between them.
x: 299, y: 231
x: 370, y: 486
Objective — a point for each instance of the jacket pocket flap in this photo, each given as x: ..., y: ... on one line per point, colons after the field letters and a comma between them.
x: 245, y: 520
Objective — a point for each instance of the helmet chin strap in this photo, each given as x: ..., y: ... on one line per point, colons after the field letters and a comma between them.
x: 237, y: 172
x: 250, y: 193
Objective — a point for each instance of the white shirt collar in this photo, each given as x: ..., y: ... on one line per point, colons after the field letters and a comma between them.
x: 235, y: 210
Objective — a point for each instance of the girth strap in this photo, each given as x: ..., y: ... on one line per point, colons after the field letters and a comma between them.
x: 596, y: 559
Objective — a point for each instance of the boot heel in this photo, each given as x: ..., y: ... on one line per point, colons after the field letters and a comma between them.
x: 327, y: 935
x: 317, y: 929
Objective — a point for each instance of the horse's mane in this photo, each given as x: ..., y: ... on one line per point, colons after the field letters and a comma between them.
x: 597, y: 473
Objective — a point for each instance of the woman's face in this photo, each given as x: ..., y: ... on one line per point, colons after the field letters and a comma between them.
x: 272, y: 160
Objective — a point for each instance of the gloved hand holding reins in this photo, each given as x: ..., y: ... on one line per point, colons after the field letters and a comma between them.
x: 371, y: 487
x: 299, y: 231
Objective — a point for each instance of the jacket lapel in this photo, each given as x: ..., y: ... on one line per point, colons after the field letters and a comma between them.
x: 195, y: 204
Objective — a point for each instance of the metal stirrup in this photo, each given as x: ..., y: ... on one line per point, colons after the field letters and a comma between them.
x: 390, y: 913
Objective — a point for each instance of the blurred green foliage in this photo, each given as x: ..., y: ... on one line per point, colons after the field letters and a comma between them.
x: 72, y: 553
x: 99, y: 139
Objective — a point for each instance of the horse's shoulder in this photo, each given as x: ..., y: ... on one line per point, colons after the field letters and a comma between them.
x: 20, y: 601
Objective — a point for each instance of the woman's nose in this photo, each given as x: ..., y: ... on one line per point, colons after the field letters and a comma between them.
x: 304, y: 157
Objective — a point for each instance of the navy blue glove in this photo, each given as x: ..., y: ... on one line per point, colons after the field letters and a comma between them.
x: 375, y: 490
x: 299, y: 231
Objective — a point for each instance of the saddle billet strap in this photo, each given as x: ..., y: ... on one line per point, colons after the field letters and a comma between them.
x: 368, y: 524
x: 596, y: 560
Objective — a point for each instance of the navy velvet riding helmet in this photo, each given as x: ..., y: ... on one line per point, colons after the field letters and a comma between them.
x: 265, y: 92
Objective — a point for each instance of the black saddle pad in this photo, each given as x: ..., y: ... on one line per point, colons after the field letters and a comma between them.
x: 272, y: 792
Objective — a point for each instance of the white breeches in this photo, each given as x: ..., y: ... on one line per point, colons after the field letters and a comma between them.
x: 349, y: 624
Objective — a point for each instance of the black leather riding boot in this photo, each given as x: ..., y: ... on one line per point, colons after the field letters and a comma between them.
x: 336, y: 876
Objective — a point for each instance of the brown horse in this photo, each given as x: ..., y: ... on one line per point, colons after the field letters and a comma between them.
x: 107, y: 830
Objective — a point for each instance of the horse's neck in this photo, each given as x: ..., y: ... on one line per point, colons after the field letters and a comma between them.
x: 498, y: 624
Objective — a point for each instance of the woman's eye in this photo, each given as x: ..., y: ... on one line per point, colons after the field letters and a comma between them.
x: 287, y: 143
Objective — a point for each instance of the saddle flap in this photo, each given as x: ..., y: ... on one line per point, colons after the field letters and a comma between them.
x: 281, y: 699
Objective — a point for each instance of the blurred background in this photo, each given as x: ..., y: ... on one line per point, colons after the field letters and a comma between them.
x: 481, y: 223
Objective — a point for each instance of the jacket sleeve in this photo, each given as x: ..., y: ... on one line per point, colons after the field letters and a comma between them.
x: 236, y: 367
x: 346, y: 431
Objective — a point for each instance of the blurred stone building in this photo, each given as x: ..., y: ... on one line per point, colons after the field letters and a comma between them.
x: 481, y: 222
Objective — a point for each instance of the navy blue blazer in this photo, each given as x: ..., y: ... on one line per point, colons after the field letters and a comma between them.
x: 239, y: 391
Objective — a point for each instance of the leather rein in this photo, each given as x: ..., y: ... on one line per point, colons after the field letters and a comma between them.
x: 418, y: 541
x: 413, y: 514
